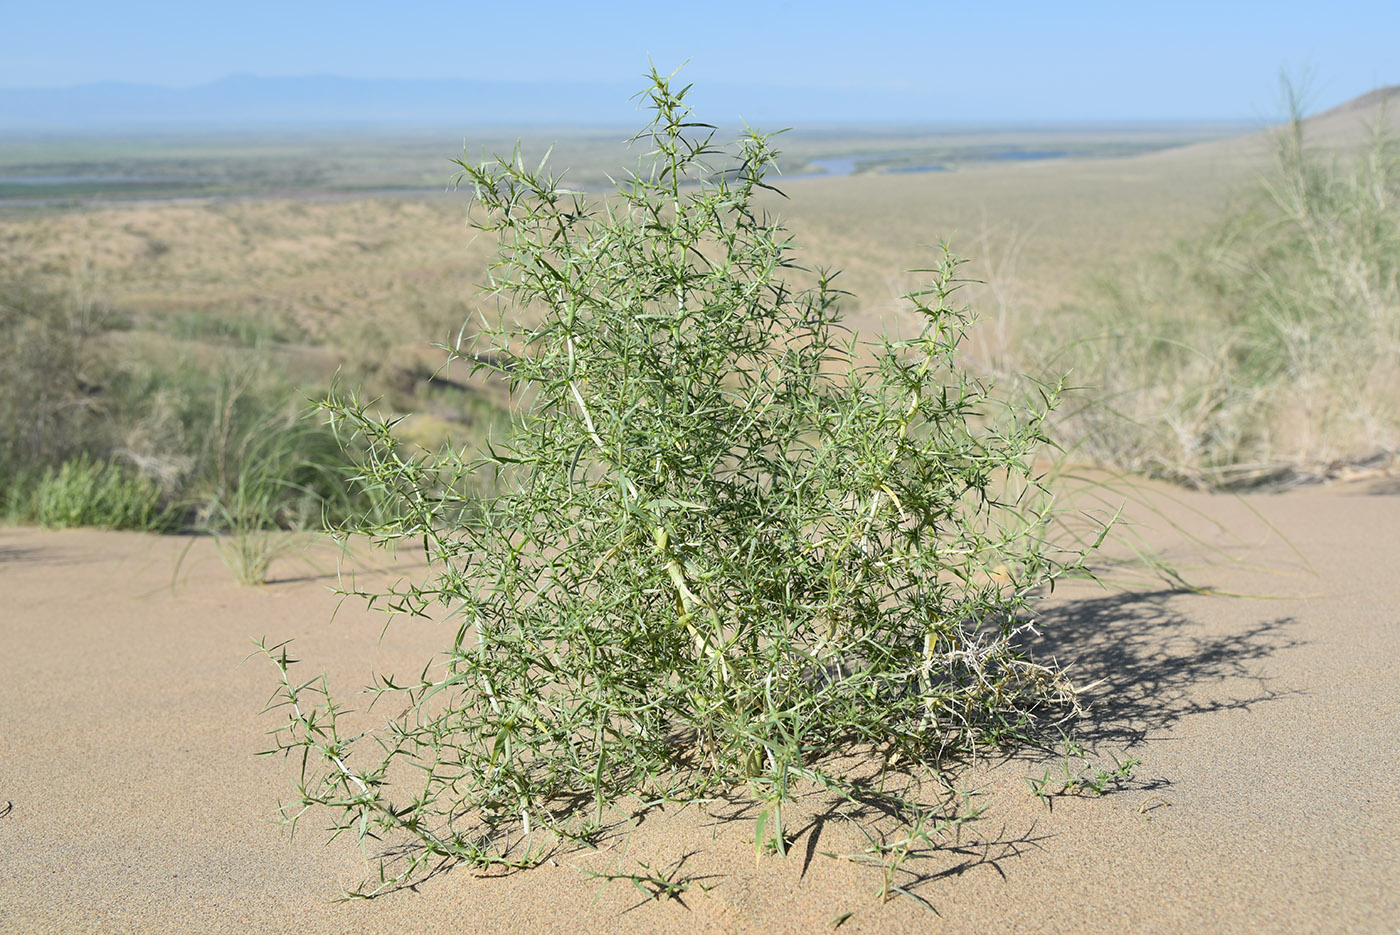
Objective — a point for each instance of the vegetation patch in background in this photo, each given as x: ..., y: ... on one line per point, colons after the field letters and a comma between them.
x: 1264, y: 351
x: 98, y: 430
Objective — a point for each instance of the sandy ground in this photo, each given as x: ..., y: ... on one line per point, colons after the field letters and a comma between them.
x: 1268, y: 799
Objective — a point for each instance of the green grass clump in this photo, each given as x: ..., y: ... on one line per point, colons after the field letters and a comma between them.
x: 280, y: 476
x: 84, y: 492
x: 727, y: 543
x: 244, y: 330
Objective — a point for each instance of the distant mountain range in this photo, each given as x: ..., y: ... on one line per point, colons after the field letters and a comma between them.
x: 249, y: 101
x: 243, y: 100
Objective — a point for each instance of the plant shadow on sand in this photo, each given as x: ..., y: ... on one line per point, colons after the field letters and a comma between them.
x: 1152, y: 664
x: 15, y: 553
x: 901, y: 843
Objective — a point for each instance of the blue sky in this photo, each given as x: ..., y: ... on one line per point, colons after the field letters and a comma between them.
x: 976, y: 60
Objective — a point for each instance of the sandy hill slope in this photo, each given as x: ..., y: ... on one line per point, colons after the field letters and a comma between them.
x: 1352, y: 122
x: 1341, y: 129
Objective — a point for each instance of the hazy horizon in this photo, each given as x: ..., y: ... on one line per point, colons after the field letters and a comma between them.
x: 822, y: 63
x: 321, y: 103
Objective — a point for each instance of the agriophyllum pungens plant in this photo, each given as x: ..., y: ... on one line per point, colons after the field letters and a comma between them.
x: 726, y: 543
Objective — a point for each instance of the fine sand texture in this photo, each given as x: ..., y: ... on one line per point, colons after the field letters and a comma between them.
x: 1267, y: 800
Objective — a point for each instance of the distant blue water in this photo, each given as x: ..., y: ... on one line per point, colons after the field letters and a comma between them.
x: 79, y: 179
x: 831, y: 167
x: 1030, y: 154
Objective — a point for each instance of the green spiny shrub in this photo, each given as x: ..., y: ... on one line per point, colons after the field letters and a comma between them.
x: 84, y: 492
x: 726, y: 541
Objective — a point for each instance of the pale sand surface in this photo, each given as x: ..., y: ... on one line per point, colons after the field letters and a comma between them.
x: 1267, y: 728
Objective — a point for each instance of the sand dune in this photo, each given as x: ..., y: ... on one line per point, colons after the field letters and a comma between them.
x: 1266, y: 799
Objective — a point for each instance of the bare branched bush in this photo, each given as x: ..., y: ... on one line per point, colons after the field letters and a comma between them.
x: 51, y: 375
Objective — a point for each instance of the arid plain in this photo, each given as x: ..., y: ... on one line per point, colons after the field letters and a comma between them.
x: 1262, y: 705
